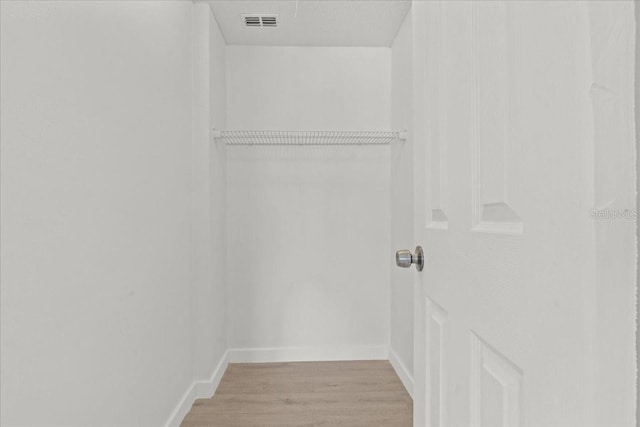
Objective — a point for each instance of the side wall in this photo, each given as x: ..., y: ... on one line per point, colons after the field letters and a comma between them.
x: 209, y: 189
x: 101, y: 186
x: 402, y: 211
x: 218, y: 190
x: 308, y: 226
x: 208, y: 212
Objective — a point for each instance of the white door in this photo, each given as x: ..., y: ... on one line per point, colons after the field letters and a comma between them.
x: 523, y: 126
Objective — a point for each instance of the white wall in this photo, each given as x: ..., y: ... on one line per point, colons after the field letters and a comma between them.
x: 100, y: 265
x: 209, y: 187
x: 316, y: 88
x: 308, y: 226
x: 402, y: 211
x: 218, y: 189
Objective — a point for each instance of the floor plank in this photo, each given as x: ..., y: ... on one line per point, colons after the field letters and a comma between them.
x: 348, y: 394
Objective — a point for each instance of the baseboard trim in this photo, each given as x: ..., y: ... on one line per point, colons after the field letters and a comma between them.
x: 307, y: 354
x: 401, y: 371
x: 198, y: 389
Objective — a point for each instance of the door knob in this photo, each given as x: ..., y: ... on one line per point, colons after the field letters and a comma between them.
x: 404, y: 258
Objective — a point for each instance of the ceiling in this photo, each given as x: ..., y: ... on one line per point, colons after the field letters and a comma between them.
x: 315, y: 23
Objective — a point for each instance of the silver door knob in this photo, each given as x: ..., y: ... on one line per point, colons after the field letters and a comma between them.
x: 404, y: 258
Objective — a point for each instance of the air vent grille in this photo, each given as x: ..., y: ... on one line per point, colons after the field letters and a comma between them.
x: 269, y: 21
x: 252, y: 21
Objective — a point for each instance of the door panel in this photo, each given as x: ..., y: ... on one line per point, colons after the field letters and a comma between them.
x: 435, y: 324
x: 496, y: 387
x: 493, y: 39
x: 436, y: 172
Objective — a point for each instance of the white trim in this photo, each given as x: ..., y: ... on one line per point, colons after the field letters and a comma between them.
x: 307, y: 354
x: 198, y: 389
x: 401, y: 371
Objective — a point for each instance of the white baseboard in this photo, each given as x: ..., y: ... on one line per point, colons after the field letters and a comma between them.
x: 197, y: 390
x: 401, y: 371
x: 307, y: 354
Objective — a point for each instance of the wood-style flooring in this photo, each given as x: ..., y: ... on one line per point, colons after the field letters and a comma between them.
x: 349, y: 394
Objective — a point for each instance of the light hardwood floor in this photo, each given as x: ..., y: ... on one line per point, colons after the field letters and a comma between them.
x: 349, y: 394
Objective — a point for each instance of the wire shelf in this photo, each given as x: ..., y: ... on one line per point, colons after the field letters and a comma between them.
x: 305, y: 137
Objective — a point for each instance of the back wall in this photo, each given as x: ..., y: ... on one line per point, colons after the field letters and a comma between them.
x: 308, y: 227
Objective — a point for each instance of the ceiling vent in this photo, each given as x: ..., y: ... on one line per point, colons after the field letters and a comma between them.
x: 269, y: 21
